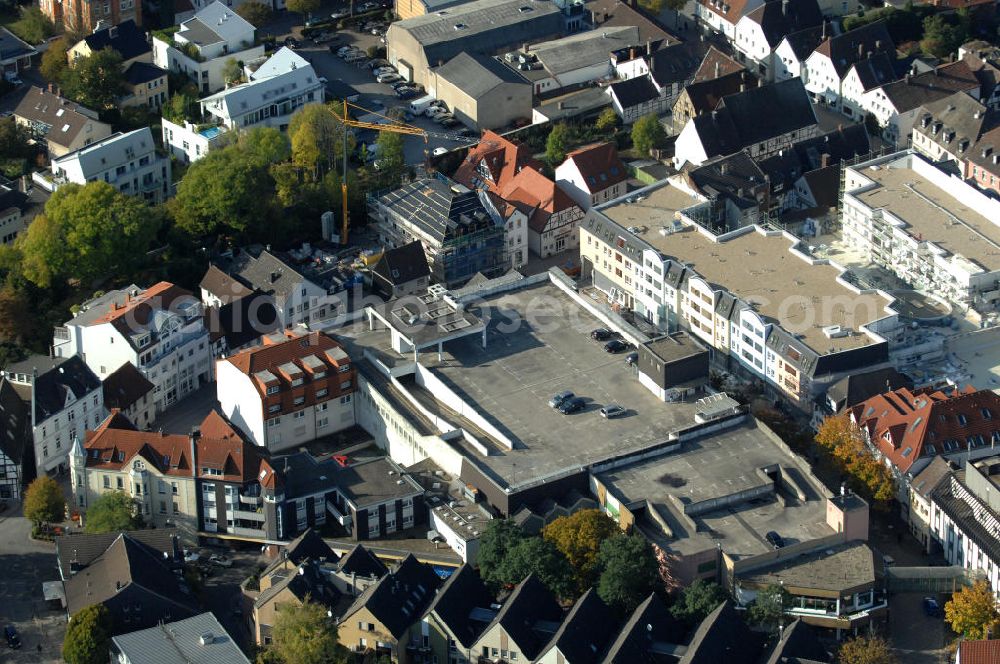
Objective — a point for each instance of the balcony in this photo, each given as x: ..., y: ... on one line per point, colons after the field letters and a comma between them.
x: 245, y: 532
x: 248, y: 516
x: 254, y: 501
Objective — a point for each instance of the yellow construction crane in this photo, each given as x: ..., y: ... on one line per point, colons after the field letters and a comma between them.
x: 392, y: 125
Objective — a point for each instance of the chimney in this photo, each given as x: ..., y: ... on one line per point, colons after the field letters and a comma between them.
x: 562, y: 105
x: 718, y: 68
x: 861, y: 51
x: 649, y: 47
x: 823, y: 33
x: 784, y: 7
x: 631, y: 53
x: 824, y: 160
x: 593, y: 18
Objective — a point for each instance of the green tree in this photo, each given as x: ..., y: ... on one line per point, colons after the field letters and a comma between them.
x: 770, y: 605
x: 579, y: 537
x: 88, y: 231
x: 498, y: 540
x: 317, y: 138
x: 254, y: 12
x: 232, y: 72
x: 44, y: 501
x: 534, y: 555
x: 266, y: 145
x: 88, y: 636
x: 654, y: 6
x: 181, y: 107
x: 972, y: 611
x: 629, y: 572
x: 33, y: 27
x: 111, y: 512
x: 54, y: 64
x: 97, y: 80
x: 305, y: 7
x: 697, y: 601
x: 304, y: 634
x: 14, y: 140
x: 647, y: 133
x: 866, y: 649
x: 227, y: 190
x: 390, y: 153
x: 607, y: 120
x: 17, y: 316
x: 941, y: 38
x: 555, y: 144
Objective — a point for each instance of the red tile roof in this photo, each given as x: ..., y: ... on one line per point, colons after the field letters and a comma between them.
x: 716, y: 64
x: 599, y: 165
x: 979, y: 652
x: 907, y: 424
x: 503, y: 160
x: 537, y: 196
x: 731, y: 10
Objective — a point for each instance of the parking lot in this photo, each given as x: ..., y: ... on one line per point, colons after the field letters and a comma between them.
x: 221, y: 592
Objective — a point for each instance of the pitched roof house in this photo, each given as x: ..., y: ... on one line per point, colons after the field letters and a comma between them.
x: 583, y: 635
x: 524, y: 625
x: 759, y: 32
x: 649, y: 636
x: 63, y: 125
x: 492, y: 162
x: 593, y: 174
x: 290, y: 585
x: 460, y: 612
x: 200, y: 639
x: 76, y: 551
x: 128, y: 391
x: 402, y: 271
x: 553, y: 217
x: 909, y: 427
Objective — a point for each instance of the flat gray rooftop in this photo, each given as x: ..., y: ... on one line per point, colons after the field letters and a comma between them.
x: 712, y: 468
x: 835, y: 569
x: 538, y: 344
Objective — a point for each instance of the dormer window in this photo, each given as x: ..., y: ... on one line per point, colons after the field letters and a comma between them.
x: 273, y: 389
x: 961, y: 419
x: 297, y: 381
x: 319, y: 374
x: 986, y: 414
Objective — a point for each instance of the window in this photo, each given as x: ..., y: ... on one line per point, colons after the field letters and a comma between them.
x: 273, y: 389
x: 107, y: 482
x: 345, y: 385
x: 366, y: 626
x: 274, y: 421
x: 274, y: 409
x: 298, y: 415
x: 298, y: 401
x: 321, y: 393
x: 120, y: 482
x: 173, y: 488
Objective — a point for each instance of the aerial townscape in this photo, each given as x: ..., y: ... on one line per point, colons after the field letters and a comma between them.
x: 500, y: 331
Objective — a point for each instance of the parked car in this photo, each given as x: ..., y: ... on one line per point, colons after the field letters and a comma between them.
x: 220, y: 560
x: 291, y: 42
x: 557, y: 399
x: 601, y: 334
x: 367, y: 7
x: 340, y: 14
x: 191, y: 557
x: 378, y: 71
x: 632, y: 358
x: 468, y: 133
x: 615, y: 346
x: 344, y: 49
x: 612, y: 410
x: 774, y: 539
x: 932, y: 608
x: 444, y: 117
x: 389, y: 78
x: 571, y: 405
x: 440, y: 151
x: 406, y: 93
x: 399, y: 84
x: 13, y: 638
x: 451, y: 122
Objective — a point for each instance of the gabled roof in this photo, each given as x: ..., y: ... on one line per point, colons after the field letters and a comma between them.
x: 58, y: 380
x: 124, y: 387
x: 722, y: 637
x: 222, y: 285
x: 634, y: 91
x: 307, y: 580
x: 215, y: 23
x: 81, y: 549
x: 284, y: 60
x: 125, y: 38
x: 804, y: 42
x: 730, y: 10
x: 927, y: 479
x: 904, y: 424
x: 676, y: 63
x: 876, y: 70
x: 779, y: 18
x: 439, y: 208
x: 705, y: 95
x: 362, y: 562
x: 238, y: 100
x: 537, y: 196
x: 913, y: 91
x: 612, y: 13
x: 265, y: 272
x: 476, y: 74
x: 117, y: 149
x: 129, y: 562
x: 849, y: 47
x: 309, y: 545
x: 716, y: 64
x: 585, y: 631
x: 502, y: 158
x: 181, y: 642
x: 858, y: 387
x: 113, y: 448
x: 65, y: 118
x: 143, y: 72
x: 646, y: 637
x: 308, y: 352
x: 798, y: 644
x: 456, y: 603
x: 978, y: 652
x: 403, y: 264
x: 960, y: 117
x: 220, y: 449
x: 599, y: 165
x: 15, y: 424
x: 398, y: 599
x: 13, y: 47
x: 529, y: 603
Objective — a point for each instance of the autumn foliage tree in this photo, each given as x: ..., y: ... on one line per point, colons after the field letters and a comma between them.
x: 579, y: 537
x: 88, y: 636
x: 44, y: 501
x: 304, y: 634
x: 972, y: 611
x: 846, y: 446
x: 870, y: 649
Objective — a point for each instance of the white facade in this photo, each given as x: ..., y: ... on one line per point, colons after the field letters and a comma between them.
x: 129, y: 162
x: 822, y: 80
x: 786, y: 64
x: 515, y: 224
x: 572, y: 181
x: 187, y: 143
x: 958, y: 547
x: 203, y: 44
x: 688, y: 148
x: 750, y: 41
x: 282, y: 85
x: 173, y: 351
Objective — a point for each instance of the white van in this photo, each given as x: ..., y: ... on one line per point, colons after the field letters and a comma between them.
x: 418, y: 106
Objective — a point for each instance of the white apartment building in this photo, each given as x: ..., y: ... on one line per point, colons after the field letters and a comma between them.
x: 189, y: 142
x: 64, y: 398
x: 515, y: 224
x: 159, y: 330
x: 279, y: 87
x: 203, y: 44
x: 927, y: 227
x: 129, y: 162
x: 289, y: 391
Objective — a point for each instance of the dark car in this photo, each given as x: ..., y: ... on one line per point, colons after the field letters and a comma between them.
x: 632, y: 358
x: 601, y: 334
x: 571, y: 405
x: 13, y: 638
x: 291, y: 42
x: 615, y: 346
x: 932, y: 608
x: 774, y: 539
x: 558, y: 399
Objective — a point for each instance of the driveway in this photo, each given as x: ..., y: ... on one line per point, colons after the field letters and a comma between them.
x: 221, y: 593
x: 26, y: 564
x: 916, y: 637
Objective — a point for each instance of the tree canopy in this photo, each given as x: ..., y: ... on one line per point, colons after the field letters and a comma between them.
x: 254, y: 12
x: 846, y: 445
x: 769, y: 606
x: 647, y: 133
x: 304, y: 634
x: 44, y: 501
x: 556, y: 144
x: 498, y: 540
x: 534, y: 555
x: 33, y: 27
x: 579, y: 537
x: 97, y: 80
x: 85, y: 232
x: 866, y: 649
x: 391, y: 159
x: 55, y: 64
x: 111, y: 512
x: 629, y: 572
x: 972, y: 611
x: 607, y: 120
x: 302, y: 6
x: 941, y: 37
x: 88, y: 636
x: 698, y: 600
x: 317, y: 138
